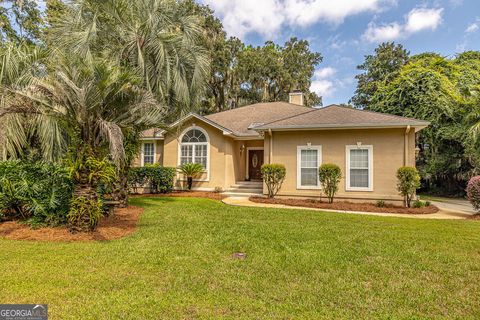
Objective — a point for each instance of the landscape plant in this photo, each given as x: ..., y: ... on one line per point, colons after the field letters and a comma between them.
x: 190, y: 171
x: 273, y: 176
x: 330, y: 175
x: 157, y: 178
x: 473, y: 192
x: 37, y: 192
x: 408, y: 181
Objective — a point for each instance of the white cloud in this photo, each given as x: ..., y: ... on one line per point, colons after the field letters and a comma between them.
x: 325, y: 72
x: 416, y: 20
x: 422, y: 18
x: 387, y: 32
x: 472, y: 28
x: 266, y: 17
x: 322, y: 83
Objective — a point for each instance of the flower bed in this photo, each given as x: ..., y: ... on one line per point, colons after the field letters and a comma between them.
x: 346, y: 206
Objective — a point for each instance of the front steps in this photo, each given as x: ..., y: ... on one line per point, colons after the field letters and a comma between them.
x: 245, y: 188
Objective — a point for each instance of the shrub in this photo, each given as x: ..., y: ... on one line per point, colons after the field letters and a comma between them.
x: 419, y: 204
x: 37, y: 191
x: 159, y: 179
x: 473, y: 192
x: 330, y: 175
x: 381, y: 204
x: 273, y: 175
x: 408, y: 183
x: 190, y: 171
x: 428, y: 203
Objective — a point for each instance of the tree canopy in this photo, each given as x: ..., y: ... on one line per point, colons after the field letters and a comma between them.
x: 443, y: 91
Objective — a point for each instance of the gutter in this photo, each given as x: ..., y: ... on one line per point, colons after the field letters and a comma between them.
x: 405, y: 144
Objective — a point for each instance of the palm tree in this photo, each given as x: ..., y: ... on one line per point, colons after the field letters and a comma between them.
x: 156, y: 39
x: 80, y: 109
x: 190, y: 171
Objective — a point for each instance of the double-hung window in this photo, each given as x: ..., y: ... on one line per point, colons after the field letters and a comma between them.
x: 359, y: 168
x: 194, y: 148
x: 148, y: 153
x: 309, y: 158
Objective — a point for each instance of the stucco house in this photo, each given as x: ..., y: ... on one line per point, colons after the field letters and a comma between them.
x: 232, y: 145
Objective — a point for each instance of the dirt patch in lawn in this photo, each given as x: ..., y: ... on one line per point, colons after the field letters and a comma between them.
x: 345, y: 206
x: 187, y: 194
x: 123, y: 222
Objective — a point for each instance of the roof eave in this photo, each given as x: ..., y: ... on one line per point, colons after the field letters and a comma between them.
x: 417, y: 125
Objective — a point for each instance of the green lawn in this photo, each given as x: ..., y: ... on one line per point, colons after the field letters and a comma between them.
x: 300, y: 264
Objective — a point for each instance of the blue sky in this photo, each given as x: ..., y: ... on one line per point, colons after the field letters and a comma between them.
x: 344, y: 31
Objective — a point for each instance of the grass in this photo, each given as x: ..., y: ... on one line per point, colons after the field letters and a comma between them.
x: 300, y: 264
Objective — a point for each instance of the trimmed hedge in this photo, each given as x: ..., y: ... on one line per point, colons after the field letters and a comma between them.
x: 473, y: 192
x: 37, y: 191
x: 158, y: 179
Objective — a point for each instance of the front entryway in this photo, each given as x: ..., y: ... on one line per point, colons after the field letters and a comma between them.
x: 255, y: 162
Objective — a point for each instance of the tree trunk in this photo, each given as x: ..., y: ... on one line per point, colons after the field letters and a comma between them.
x: 83, y: 213
x: 189, y: 183
x: 120, y: 191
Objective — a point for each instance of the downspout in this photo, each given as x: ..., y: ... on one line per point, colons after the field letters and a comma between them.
x: 405, y: 143
x: 270, y: 149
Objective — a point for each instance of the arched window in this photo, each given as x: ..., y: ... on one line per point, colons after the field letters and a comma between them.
x: 194, y: 147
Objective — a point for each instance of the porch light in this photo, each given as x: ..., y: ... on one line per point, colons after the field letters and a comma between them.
x: 242, y: 148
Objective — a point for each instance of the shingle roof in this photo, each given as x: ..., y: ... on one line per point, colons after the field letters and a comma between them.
x: 335, y: 116
x: 241, y: 120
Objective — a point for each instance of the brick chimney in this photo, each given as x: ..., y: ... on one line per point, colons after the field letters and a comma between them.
x: 296, y: 97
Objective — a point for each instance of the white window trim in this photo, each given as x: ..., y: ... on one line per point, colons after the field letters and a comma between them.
x: 370, y: 167
x: 299, y: 169
x: 142, y: 159
x: 179, y: 155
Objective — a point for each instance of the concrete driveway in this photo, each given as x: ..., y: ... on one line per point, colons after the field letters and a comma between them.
x: 453, y: 204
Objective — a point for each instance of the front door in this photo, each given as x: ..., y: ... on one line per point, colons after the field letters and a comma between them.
x: 255, y: 161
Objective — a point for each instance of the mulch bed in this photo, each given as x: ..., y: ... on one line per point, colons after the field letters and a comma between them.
x: 120, y: 224
x: 186, y: 194
x: 474, y: 216
x: 346, y: 206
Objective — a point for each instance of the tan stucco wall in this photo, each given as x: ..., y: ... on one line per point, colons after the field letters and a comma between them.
x: 388, y: 156
x: 220, y: 172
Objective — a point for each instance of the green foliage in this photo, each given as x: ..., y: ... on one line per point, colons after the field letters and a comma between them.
x: 84, y: 212
x: 419, y: 204
x: 330, y: 175
x: 160, y: 179
x: 190, y: 171
x: 20, y: 21
x: 273, y: 176
x: 38, y: 191
x: 408, y: 181
x: 473, y: 192
x: 443, y: 91
x: 379, y: 68
x: 93, y: 170
x: 241, y: 75
x: 381, y: 204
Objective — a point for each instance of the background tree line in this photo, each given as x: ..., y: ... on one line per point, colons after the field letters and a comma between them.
x: 428, y: 86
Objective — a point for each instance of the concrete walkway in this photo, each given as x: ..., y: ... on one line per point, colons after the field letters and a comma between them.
x: 444, y: 214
